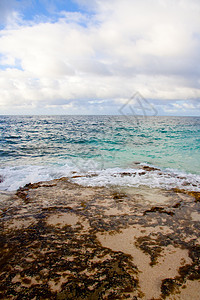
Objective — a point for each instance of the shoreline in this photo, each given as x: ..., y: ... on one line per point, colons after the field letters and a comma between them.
x: 60, y: 240
x: 137, y: 175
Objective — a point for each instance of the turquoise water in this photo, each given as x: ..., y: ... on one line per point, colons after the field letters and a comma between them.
x: 35, y: 148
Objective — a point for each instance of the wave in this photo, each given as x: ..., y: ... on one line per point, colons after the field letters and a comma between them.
x: 92, y: 173
x: 167, y: 179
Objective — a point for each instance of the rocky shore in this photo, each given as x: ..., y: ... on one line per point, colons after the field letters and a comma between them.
x: 60, y: 240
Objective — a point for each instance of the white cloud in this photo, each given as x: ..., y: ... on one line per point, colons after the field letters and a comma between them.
x: 148, y: 46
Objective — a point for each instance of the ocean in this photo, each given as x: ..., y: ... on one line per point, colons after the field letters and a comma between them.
x: 158, y: 152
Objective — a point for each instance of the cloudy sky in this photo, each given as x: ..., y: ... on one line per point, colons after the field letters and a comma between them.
x: 92, y: 56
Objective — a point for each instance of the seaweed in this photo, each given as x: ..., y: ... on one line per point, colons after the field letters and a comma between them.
x: 161, y: 210
x: 118, y: 196
x: 194, y: 194
x: 42, y: 254
x: 168, y: 286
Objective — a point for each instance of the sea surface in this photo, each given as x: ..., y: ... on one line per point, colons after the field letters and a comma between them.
x: 100, y: 150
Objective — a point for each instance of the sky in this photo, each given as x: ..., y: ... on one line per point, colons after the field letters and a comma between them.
x: 100, y: 57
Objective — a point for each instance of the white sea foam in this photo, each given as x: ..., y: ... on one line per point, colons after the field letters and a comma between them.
x: 137, y: 177
x: 11, y: 178
x: 91, y: 174
x: 15, y: 177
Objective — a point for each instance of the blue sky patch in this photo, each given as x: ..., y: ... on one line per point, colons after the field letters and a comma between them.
x: 48, y: 8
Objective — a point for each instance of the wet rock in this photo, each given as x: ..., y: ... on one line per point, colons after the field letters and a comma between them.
x: 123, y: 174
x: 21, y: 193
x: 149, y: 169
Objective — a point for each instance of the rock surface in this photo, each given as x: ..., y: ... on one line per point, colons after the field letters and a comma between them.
x: 59, y: 240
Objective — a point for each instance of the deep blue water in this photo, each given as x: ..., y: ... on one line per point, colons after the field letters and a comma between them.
x: 34, y: 148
